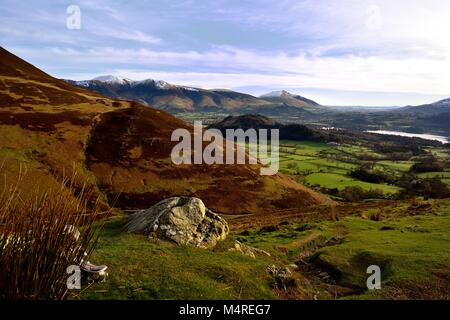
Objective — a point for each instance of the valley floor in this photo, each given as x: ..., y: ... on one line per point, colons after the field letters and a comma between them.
x: 329, y: 166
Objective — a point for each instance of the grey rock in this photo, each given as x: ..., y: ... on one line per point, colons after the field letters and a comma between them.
x: 293, y: 266
x: 183, y: 220
x: 283, y: 277
x: 247, y: 250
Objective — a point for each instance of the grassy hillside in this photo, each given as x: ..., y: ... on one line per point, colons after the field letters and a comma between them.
x: 135, y: 167
x: 408, y: 242
x: 142, y: 269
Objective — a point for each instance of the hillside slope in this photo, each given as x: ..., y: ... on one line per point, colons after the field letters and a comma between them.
x: 121, y: 148
x: 286, y: 131
x: 442, y: 106
x: 44, y: 124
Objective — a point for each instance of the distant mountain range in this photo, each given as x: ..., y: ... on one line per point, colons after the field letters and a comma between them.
x: 175, y: 98
x: 281, y: 105
x: 429, y: 109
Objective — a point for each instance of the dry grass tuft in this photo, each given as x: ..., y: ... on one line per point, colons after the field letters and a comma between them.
x: 376, y: 216
x: 36, y: 245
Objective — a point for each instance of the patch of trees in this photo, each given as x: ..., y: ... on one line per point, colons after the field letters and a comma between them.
x: 301, y: 132
x: 356, y: 194
x: 367, y: 157
x: 427, y: 188
x: 367, y: 173
x: 414, y: 129
x: 287, y: 131
x: 399, y: 156
x: 441, y: 120
x: 422, y: 167
x: 404, y: 149
x: 387, y: 155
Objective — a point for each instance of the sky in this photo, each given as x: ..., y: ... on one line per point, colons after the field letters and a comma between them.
x: 347, y: 52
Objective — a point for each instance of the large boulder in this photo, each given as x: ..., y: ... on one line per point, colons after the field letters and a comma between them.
x: 183, y: 220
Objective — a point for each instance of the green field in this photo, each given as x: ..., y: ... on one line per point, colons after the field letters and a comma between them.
x: 441, y: 153
x: 400, y: 166
x: 443, y: 175
x: 329, y: 166
x: 339, y: 181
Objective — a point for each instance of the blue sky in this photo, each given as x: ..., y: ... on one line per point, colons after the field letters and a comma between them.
x: 347, y: 52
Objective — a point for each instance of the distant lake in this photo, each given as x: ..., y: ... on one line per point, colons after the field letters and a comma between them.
x: 412, y: 135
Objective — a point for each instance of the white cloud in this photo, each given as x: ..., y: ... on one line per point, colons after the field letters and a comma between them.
x: 381, y: 27
x: 387, y: 46
x: 377, y: 74
x: 123, y: 34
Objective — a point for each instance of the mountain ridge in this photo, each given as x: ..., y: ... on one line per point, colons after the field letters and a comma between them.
x: 433, y: 108
x: 292, y: 100
x: 176, y: 98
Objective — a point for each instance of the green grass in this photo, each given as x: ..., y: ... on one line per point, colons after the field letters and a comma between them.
x: 333, y: 164
x: 440, y: 153
x: 355, y: 148
x: 329, y: 166
x: 332, y: 180
x: 305, y: 147
x: 444, y: 175
x: 297, y: 167
x: 142, y: 269
x: 412, y: 249
x: 401, y: 166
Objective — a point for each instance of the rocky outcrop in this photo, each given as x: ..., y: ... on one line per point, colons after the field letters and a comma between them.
x: 247, y: 250
x: 282, y: 276
x: 183, y: 220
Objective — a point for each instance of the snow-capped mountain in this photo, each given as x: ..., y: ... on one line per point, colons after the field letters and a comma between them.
x: 171, y: 97
x: 288, y: 99
x: 112, y: 79
x: 275, y: 94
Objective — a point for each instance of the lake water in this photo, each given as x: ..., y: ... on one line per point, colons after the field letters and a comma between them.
x: 412, y: 135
